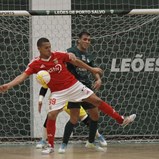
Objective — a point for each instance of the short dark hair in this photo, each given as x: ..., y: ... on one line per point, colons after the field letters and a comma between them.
x: 42, y: 40
x: 83, y: 33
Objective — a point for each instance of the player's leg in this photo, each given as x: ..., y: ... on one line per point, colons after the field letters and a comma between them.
x: 74, y: 116
x: 51, y: 128
x: 107, y: 109
x: 87, y: 95
x: 43, y: 141
x: 84, y: 117
x: 93, y: 125
x: 86, y: 120
x: 56, y: 104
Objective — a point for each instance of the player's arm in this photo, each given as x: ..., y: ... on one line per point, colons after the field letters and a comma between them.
x: 19, y: 79
x: 98, y: 81
x: 42, y: 94
x: 79, y: 63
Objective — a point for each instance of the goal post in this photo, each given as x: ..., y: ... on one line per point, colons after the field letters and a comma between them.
x: 125, y: 46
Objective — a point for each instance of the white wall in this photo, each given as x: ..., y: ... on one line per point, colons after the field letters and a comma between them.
x: 58, y: 30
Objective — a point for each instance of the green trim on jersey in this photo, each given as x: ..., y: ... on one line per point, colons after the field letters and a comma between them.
x: 81, y: 74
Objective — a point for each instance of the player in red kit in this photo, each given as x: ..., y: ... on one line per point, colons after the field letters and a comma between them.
x: 64, y: 86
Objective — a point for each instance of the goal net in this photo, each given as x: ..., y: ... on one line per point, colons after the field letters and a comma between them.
x: 124, y: 46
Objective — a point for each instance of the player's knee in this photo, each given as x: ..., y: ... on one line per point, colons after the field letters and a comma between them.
x: 94, y: 114
x: 52, y: 115
x: 94, y: 117
x: 98, y: 101
x: 73, y: 120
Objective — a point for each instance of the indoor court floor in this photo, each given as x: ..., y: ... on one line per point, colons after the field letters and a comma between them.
x: 78, y: 151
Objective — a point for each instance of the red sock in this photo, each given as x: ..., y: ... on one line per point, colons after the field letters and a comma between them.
x: 51, y: 127
x: 107, y: 109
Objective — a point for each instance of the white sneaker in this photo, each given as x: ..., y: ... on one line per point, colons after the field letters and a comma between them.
x: 62, y: 148
x: 47, y: 150
x: 41, y: 144
x: 94, y: 146
x: 102, y: 141
x: 128, y: 120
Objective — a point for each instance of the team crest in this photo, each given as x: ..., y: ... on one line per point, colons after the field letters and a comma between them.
x: 55, y: 61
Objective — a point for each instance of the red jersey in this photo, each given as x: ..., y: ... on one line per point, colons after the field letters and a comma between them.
x: 61, y: 78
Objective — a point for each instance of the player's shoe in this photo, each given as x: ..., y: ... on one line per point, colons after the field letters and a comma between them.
x: 102, y: 141
x: 41, y: 144
x: 47, y: 150
x: 94, y: 146
x: 62, y: 148
x: 129, y: 119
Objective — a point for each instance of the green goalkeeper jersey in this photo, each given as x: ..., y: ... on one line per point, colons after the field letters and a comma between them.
x: 81, y: 74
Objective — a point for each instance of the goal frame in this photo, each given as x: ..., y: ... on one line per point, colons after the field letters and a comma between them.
x: 84, y: 12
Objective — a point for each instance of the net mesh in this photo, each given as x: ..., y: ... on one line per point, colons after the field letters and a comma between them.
x: 15, y: 104
x: 125, y: 47
x: 113, y: 4
x: 131, y: 86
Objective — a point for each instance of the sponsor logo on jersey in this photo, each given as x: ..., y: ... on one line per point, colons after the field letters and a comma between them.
x: 55, y: 61
x: 57, y: 68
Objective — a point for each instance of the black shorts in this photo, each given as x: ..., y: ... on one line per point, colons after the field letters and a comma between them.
x: 85, y: 105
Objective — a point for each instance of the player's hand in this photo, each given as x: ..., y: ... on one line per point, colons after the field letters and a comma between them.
x: 97, y: 84
x: 72, y: 57
x: 97, y: 70
x: 4, y: 88
x: 39, y: 106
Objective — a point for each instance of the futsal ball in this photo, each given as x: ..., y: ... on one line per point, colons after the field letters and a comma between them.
x: 43, y: 78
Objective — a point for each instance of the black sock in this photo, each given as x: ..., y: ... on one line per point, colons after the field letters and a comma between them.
x: 67, y: 132
x: 86, y: 121
x: 92, y: 130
